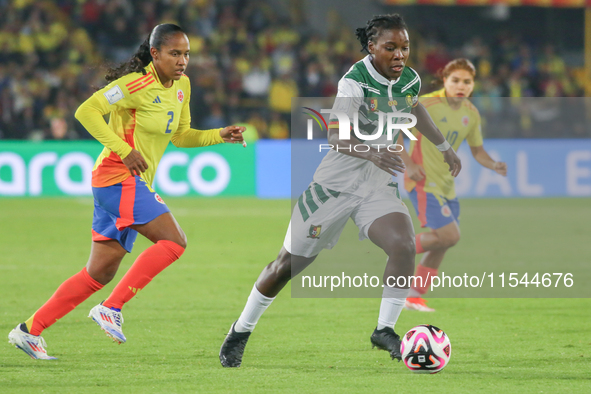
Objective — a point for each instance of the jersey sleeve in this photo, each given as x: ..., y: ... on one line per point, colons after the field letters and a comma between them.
x: 474, y: 138
x: 113, y: 97
x: 185, y: 136
x: 414, y: 88
x: 349, y: 98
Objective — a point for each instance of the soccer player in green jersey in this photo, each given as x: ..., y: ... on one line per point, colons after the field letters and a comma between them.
x: 357, y: 185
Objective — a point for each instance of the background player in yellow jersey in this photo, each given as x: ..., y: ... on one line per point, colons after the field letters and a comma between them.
x: 431, y: 188
x: 148, y: 103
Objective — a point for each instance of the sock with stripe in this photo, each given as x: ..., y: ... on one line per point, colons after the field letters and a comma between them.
x: 253, y: 310
x: 150, y: 263
x: 68, y: 296
x: 421, y: 286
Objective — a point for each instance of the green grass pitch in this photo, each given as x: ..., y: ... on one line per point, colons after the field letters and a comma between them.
x: 302, y: 345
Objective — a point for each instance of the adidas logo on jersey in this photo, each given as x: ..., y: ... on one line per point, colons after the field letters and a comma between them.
x: 444, y: 119
x: 157, y: 100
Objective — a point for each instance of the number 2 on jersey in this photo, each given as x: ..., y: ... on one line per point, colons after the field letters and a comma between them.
x: 171, y: 114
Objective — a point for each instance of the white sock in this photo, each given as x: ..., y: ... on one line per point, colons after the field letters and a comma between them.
x: 393, y: 300
x: 414, y: 294
x: 253, y: 310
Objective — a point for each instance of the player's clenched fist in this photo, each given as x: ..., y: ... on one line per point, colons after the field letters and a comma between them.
x: 135, y: 163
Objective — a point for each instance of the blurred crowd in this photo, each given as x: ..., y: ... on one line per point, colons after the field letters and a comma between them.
x: 247, y: 61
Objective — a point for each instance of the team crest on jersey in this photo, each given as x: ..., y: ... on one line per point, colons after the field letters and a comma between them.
x: 411, y: 100
x: 373, y: 104
x: 465, y: 120
x: 314, y: 232
x: 180, y: 95
x: 158, y: 198
x: 446, y: 211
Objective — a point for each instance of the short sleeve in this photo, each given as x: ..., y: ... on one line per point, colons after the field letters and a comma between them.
x: 349, y: 98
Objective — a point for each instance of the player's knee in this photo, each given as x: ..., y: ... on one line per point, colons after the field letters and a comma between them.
x: 103, y: 276
x: 402, y: 248
x: 182, y: 241
x: 281, y: 267
x: 450, y: 239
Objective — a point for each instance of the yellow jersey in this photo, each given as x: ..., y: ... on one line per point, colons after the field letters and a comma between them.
x: 144, y: 115
x: 456, y: 125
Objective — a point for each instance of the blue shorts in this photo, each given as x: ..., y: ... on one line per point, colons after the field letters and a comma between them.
x: 434, y: 211
x: 122, y: 205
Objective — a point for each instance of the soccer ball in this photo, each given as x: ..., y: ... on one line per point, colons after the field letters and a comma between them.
x: 425, y: 349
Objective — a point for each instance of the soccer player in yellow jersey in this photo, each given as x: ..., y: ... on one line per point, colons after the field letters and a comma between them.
x: 147, y: 99
x: 430, y: 186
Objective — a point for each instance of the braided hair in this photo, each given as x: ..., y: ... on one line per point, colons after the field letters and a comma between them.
x: 142, y: 57
x: 374, y: 27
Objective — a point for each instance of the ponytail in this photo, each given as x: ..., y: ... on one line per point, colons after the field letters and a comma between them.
x: 140, y: 60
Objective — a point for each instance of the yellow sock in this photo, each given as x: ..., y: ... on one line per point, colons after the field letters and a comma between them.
x: 29, y: 323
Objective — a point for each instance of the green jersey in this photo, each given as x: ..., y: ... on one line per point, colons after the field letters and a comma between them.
x: 365, y: 92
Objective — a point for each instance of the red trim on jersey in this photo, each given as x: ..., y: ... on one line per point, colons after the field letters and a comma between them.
x: 126, y: 204
x: 99, y: 237
x: 154, y: 72
x: 130, y: 129
x: 432, y: 103
x: 146, y: 83
x: 112, y: 170
x: 138, y: 81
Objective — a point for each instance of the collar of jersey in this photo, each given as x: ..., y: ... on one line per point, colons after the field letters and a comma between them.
x: 152, y: 69
x: 375, y: 74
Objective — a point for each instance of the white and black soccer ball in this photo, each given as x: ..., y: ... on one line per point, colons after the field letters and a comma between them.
x: 425, y: 349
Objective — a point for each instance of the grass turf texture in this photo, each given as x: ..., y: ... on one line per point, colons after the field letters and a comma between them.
x: 177, y: 324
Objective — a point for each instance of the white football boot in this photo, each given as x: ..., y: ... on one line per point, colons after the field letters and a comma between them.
x: 33, y: 345
x: 110, y: 321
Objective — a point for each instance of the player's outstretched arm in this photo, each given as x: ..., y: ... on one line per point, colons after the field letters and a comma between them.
x: 428, y: 128
x: 192, y: 138
x: 485, y: 160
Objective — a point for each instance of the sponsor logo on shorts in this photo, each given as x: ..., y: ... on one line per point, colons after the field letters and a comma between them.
x: 445, y: 211
x: 314, y: 231
x: 158, y: 198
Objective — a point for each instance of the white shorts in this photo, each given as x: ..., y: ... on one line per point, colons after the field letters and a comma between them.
x: 320, y: 215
